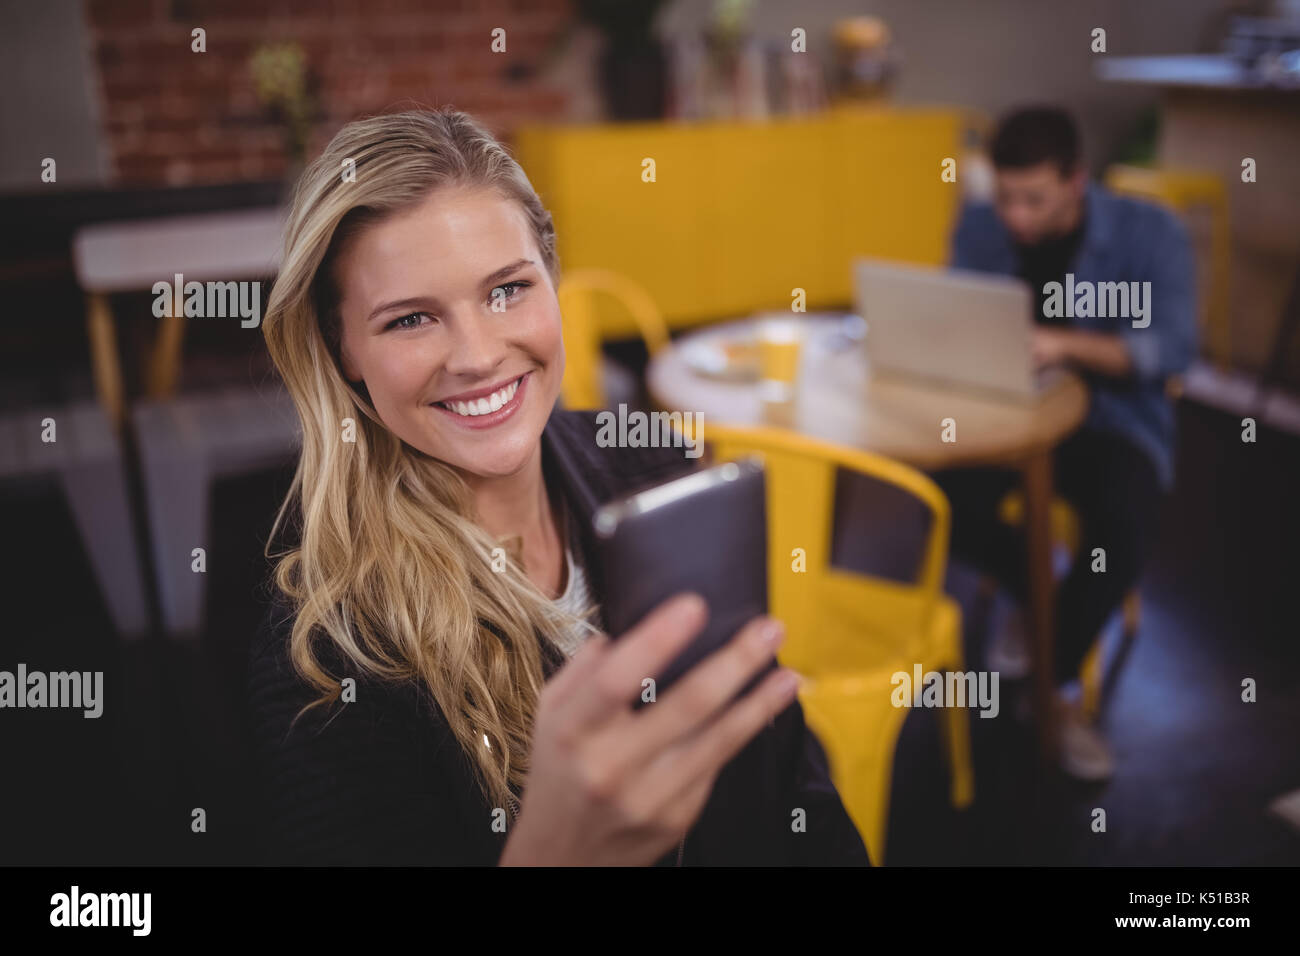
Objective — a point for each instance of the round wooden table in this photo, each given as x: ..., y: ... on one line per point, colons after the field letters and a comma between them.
x: 841, y: 399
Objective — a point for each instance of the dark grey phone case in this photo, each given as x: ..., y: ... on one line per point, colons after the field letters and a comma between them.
x: 705, y: 532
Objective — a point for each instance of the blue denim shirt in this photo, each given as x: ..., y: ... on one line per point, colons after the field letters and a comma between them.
x: 1125, y: 240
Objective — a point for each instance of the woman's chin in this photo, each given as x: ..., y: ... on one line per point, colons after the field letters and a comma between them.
x: 506, y: 456
x: 497, y: 447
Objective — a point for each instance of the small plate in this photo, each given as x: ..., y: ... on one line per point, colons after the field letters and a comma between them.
x: 729, y: 359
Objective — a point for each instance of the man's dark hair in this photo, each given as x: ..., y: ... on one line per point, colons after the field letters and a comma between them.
x: 1036, y: 135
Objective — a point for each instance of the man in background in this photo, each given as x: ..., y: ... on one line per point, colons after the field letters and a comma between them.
x: 1049, y: 224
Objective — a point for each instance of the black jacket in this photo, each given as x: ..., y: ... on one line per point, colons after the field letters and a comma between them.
x: 385, y: 783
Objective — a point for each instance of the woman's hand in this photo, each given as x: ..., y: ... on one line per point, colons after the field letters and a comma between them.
x: 611, y: 785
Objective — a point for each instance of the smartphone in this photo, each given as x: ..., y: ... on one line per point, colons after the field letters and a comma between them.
x: 704, y: 532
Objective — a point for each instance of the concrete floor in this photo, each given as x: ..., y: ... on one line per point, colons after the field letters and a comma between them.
x: 1197, y: 767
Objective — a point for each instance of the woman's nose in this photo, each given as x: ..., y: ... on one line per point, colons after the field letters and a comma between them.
x: 475, y: 347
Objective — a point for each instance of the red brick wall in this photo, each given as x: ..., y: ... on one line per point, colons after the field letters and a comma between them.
x: 172, y: 116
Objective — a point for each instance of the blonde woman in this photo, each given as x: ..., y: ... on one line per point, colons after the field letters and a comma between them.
x: 433, y: 686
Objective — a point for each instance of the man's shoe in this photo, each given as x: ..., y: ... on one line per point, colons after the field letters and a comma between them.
x: 1084, y: 753
x: 1008, y: 639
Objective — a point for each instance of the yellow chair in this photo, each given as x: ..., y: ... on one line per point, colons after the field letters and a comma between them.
x: 1065, y: 533
x: 579, y: 296
x: 847, y: 632
x: 1182, y: 191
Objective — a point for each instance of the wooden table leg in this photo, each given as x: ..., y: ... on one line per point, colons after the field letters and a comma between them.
x: 1037, y: 470
x: 104, y: 358
x: 165, y: 363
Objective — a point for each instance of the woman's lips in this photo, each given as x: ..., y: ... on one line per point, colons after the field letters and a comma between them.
x: 490, y: 419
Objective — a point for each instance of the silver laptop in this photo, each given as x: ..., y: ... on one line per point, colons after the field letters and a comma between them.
x: 969, y: 329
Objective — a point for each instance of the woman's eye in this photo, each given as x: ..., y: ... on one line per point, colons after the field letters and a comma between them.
x: 508, y: 290
x: 411, y: 321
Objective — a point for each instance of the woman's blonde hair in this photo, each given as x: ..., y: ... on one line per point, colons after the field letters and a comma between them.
x: 390, y: 567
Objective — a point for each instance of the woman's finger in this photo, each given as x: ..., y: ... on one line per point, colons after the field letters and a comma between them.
x: 640, y: 653
x: 701, y: 692
x: 707, y: 752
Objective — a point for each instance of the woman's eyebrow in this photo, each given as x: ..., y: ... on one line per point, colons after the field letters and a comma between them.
x: 418, y: 300
x: 421, y: 300
x: 502, y: 273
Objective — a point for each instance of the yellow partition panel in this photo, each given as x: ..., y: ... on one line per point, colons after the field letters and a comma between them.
x: 607, y: 217
x: 770, y: 218
x: 741, y: 213
x: 891, y: 202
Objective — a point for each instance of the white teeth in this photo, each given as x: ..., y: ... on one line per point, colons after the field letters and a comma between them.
x: 482, y: 406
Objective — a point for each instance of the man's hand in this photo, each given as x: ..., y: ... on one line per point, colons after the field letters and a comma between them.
x: 1102, y: 352
x: 1049, y: 347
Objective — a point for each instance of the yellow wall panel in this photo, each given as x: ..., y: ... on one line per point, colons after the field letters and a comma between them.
x: 743, y: 212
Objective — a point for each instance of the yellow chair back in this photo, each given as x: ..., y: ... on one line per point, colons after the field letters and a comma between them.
x: 837, y: 620
x: 853, y: 633
x: 585, y: 327
x: 1183, y: 190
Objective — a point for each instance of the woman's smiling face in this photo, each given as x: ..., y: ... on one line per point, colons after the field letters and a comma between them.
x: 450, y: 318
